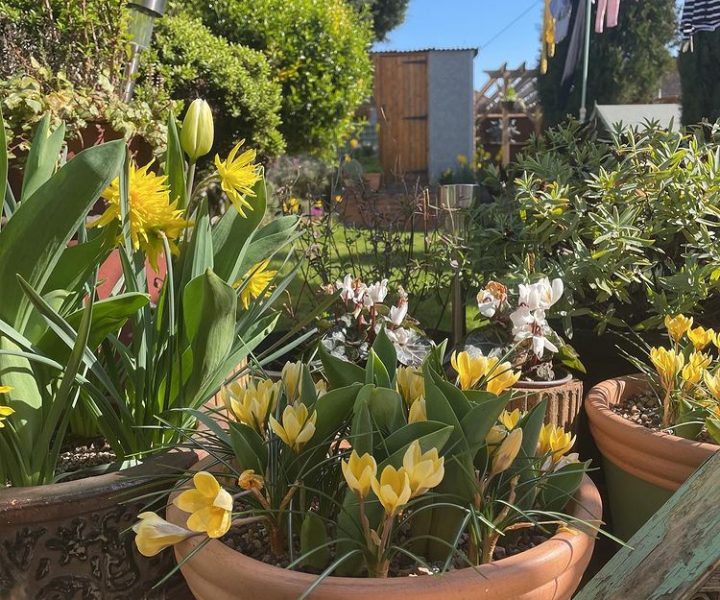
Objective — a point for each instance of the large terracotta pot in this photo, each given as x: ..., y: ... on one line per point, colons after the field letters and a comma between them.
x: 550, y: 571
x: 642, y: 467
x: 564, y: 399
x: 69, y: 540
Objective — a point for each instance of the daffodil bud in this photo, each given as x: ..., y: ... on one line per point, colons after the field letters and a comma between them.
x: 198, y: 130
x: 507, y: 452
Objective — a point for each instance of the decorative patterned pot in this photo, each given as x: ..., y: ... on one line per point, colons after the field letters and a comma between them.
x: 550, y: 571
x: 564, y: 399
x: 642, y: 468
x: 68, y: 541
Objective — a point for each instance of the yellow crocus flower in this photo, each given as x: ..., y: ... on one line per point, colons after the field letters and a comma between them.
x: 554, y: 441
x: 502, y: 378
x: 511, y: 419
x: 418, y: 411
x: 712, y: 381
x: 471, y: 369
x: 251, y: 404
x: 495, y: 436
x: 291, y: 377
x: 507, y: 452
x: 298, y: 426
x: 677, y: 326
x: 700, y: 337
x: 392, y: 490
x: 249, y: 480
x: 410, y: 384
x: 238, y: 175
x: 5, y: 411
x: 256, y: 282
x: 210, y: 506
x: 692, y: 375
x: 668, y: 364
x: 700, y: 360
x: 154, y: 534
x: 359, y: 472
x: 424, y: 470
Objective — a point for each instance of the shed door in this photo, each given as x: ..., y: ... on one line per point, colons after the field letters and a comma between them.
x: 401, y: 96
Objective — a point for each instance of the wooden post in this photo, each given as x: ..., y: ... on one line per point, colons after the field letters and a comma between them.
x: 674, y: 553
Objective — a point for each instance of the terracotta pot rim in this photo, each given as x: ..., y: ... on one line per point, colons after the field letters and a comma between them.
x: 598, y: 408
x: 568, y: 548
x: 14, y: 500
x: 529, y: 384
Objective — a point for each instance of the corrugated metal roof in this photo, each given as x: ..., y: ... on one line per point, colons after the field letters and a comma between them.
x: 421, y: 50
x: 638, y: 115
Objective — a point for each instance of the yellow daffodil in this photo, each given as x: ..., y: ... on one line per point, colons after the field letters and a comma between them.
x: 252, y: 403
x: 418, y: 411
x: 392, y: 490
x: 700, y: 360
x: 501, y: 378
x: 495, y: 436
x: 210, y: 506
x: 471, y: 369
x: 677, y: 326
x: 151, y: 214
x: 154, y: 534
x: 700, y: 337
x: 359, y: 472
x: 238, y: 175
x: 424, y: 470
x: 297, y: 427
x: 506, y: 454
x: 5, y: 411
x: 292, y: 379
x: 511, y: 419
x: 249, y: 480
x: 668, y: 364
x: 255, y: 283
x: 691, y: 375
x: 410, y: 384
x: 712, y: 381
x: 554, y: 441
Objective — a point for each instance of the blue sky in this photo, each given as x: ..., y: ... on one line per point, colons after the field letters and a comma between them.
x: 473, y: 23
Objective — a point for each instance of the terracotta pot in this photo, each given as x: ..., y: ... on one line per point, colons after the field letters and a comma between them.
x: 69, y: 540
x: 642, y: 467
x: 550, y: 571
x: 372, y: 181
x: 564, y: 399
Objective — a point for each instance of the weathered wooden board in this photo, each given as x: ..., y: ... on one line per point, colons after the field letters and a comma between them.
x: 674, y: 553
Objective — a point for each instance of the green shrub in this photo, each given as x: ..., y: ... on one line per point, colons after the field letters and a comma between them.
x: 318, y: 52
x: 631, y: 223
x: 188, y: 61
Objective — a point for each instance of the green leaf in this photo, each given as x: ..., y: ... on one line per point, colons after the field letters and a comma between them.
x: 561, y: 485
x: 43, y: 156
x: 248, y: 447
x: 3, y: 163
x: 313, y: 541
x: 339, y: 373
x: 32, y: 241
x: 268, y: 240
x: 385, y: 351
x: 379, y: 376
x: 175, y: 164
x: 476, y: 424
x: 199, y: 255
x: 362, y: 428
x: 386, y: 409
x: 430, y: 434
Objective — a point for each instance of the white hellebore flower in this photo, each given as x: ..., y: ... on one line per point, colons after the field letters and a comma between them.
x: 398, y: 313
x: 541, y: 294
x: 529, y: 324
x: 376, y: 293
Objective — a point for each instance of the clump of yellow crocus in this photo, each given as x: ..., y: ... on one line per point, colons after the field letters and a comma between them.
x: 392, y: 490
x: 506, y: 454
x: 700, y: 337
x: 154, y: 534
x: 425, y: 470
x: 501, y: 378
x: 359, y: 472
x: 210, y: 506
x: 297, y: 428
x: 252, y: 403
x: 511, y: 419
x: 5, y: 411
x: 677, y: 326
x: 410, y: 384
x: 291, y: 377
x: 668, y: 364
x: 555, y: 442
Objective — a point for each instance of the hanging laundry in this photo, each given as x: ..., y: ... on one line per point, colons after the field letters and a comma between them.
x: 699, y: 15
x: 548, y: 38
x: 577, y: 37
x: 561, y: 11
x: 607, y: 11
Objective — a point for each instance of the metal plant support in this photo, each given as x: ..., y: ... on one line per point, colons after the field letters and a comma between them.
x: 455, y: 202
x: 143, y: 14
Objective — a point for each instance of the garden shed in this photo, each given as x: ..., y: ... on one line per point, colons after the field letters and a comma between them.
x: 423, y: 101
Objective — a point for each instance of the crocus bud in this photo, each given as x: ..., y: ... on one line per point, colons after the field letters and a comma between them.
x: 507, y: 452
x: 197, y: 133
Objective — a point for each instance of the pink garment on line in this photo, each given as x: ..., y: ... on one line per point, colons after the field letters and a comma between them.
x: 607, y: 10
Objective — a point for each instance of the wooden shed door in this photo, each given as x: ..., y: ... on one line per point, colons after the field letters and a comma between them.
x: 401, y: 96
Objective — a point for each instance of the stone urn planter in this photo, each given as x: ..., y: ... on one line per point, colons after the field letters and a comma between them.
x: 70, y: 540
x: 643, y: 468
x: 564, y: 399
x: 550, y: 571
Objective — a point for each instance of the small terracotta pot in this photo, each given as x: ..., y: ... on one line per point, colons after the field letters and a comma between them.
x: 642, y: 467
x: 70, y: 540
x: 564, y: 399
x: 550, y: 571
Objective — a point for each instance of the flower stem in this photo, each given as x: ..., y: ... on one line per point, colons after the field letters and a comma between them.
x: 190, y: 181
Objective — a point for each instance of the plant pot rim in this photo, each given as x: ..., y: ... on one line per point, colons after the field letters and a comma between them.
x: 550, y: 559
x: 17, y: 503
x: 660, y: 458
x: 543, y: 385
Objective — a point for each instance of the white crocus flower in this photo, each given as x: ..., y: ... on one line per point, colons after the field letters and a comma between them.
x: 531, y: 324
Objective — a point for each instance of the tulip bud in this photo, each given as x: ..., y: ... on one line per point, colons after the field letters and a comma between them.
x: 197, y: 133
x: 507, y: 452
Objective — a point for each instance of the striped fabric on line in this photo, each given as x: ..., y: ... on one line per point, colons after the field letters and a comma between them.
x: 699, y: 15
